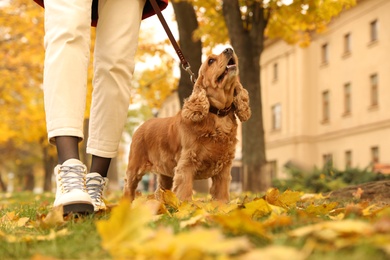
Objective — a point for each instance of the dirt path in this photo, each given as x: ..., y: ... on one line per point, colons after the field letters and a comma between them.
x: 376, y: 191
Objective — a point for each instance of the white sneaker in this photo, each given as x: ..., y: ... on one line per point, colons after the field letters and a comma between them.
x: 96, y: 185
x: 71, y: 188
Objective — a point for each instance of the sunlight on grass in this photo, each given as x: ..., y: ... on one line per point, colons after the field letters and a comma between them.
x: 275, y: 225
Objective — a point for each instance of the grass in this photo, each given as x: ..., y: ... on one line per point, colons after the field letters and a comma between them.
x: 84, y: 242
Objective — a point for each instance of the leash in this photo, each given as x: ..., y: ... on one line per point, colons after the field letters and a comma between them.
x: 184, y: 63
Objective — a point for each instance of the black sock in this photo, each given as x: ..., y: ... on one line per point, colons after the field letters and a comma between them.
x: 67, y: 148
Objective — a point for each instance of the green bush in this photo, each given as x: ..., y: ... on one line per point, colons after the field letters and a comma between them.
x: 326, y: 179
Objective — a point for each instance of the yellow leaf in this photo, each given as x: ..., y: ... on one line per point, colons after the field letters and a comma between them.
x: 54, y: 218
x: 329, y: 230
x: 319, y: 210
x: 193, y: 221
x: 274, y: 253
x: 42, y: 257
x: 238, y: 222
x: 11, y: 219
x: 314, y: 196
x: 257, y: 208
x: 126, y: 229
x: 278, y: 221
x: 22, y: 221
x: 185, y: 210
x: 200, y: 243
x: 358, y: 194
x: 161, y: 209
x: 287, y: 199
x: 8, y: 217
x: 169, y: 198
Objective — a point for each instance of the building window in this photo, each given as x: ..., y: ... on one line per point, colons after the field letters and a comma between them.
x: 347, y: 43
x: 374, y: 90
x: 276, y: 117
x: 325, y: 53
x: 347, y: 99
x: 325, y: 106
x: 374, y: 31
x: 327, y: 159
x: 374, y: 154
x: 273, y: 168
x: 275, y: 71
x: 348, y: 159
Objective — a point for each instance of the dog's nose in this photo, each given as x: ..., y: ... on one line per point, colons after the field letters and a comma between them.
x: 228, y: 51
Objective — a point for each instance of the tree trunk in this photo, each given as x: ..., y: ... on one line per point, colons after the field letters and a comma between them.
x: 3, y: 187
x: 192, y: 50
x: 248, y: 45
x: 29, y: 179
x: 113, y: 175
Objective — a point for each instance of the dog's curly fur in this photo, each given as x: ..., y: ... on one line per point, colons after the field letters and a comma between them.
x: 194, y: 144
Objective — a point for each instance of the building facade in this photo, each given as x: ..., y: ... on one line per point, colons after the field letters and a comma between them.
x: 330, y: 101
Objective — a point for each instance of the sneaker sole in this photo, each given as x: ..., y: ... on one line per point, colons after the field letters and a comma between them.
x: 81, y: 208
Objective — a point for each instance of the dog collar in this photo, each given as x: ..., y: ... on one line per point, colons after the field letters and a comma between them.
x: 221, y: 112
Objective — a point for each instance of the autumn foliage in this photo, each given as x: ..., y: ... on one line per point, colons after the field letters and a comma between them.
x: 288, y: 225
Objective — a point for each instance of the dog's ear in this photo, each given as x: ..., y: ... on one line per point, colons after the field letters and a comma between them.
x: 241, y: 102
x: 196, y: 107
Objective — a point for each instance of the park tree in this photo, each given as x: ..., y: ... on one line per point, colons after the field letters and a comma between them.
x: 246, y: 25
x: 21, y: 129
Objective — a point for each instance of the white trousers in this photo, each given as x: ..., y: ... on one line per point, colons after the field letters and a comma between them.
x: 67, y: 45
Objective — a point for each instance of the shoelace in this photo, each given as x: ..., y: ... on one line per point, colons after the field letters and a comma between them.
x: 75, y: 180
x: 95, y: 190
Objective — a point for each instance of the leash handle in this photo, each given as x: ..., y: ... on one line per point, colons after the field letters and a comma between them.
x: 185, y: 64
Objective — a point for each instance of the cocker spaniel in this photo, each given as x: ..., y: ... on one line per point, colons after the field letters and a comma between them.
x: 199, y: 142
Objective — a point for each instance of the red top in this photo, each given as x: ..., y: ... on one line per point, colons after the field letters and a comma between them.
x: 148, y: 9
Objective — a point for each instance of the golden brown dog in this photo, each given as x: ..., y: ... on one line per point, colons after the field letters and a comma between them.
x: 200, y: 141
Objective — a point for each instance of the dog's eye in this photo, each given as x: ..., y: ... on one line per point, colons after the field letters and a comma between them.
x: 211, y: 61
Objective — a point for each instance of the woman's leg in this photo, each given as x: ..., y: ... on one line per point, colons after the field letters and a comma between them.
x: 115, y: 47
x: 116, y: 43
x: 67, y: 41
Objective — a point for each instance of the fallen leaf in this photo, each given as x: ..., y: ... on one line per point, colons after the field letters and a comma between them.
x: 8, y: 217
x: 168, y: 198
x: 42, y: 257
x: 55, y: 218
x: 274, y: 253
x: 314, y: 196
x: 287, y: 199
x: 12, y: 220
x: 200, y: 243
x: 277, y: 221
x: 126, y: 229
x: 22, y: 221
x: 382, y: 225
x: 193, y: 221
x: 358, y: 193
x: 257, y: 208
x: 329, y: 230
x: 320, y: 210
x: 238, y: 222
